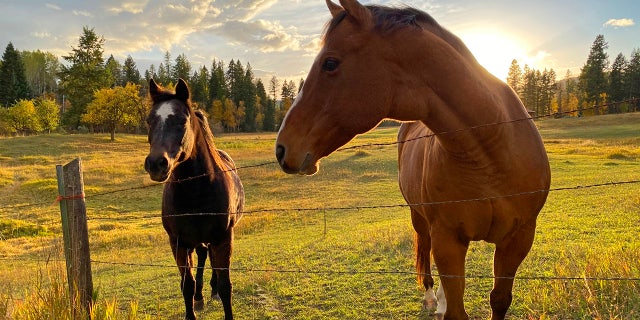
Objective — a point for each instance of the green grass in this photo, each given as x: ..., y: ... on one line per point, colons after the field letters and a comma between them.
x: 583, y: 233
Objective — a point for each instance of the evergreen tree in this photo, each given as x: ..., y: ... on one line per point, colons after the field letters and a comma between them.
x: 248, y: 96
x: 114, y: 72
x: 217, y: 83
x: 514, y: 77
x: 181, y: 69
x: 593, y: 80
x: 164, y: 70
x: 13, y: 81
x: 200, y: 87
x: 632, y: 75
x: 130, y: 73
x: 84, y: 75
x: 617, y: 88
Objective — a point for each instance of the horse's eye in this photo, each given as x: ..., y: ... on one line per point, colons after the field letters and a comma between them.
x: 330, y: 64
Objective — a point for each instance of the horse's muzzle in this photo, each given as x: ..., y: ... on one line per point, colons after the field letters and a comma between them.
x: 157, y: 167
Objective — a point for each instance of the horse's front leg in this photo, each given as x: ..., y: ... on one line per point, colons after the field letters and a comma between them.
x: 201, y: 252
x: 220, y: 262
x: 187, y: 282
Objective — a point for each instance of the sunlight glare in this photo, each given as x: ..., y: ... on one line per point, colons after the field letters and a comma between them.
x: 494, y: 50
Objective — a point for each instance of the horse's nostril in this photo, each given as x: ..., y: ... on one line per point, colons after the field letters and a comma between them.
x: 162, y: 162
x: 279, y: 153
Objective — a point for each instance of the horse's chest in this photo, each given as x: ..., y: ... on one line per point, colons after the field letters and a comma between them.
x: 197, y: 215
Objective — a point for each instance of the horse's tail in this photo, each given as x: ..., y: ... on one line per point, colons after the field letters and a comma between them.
x: 422, y: 258
x: 422, y: 245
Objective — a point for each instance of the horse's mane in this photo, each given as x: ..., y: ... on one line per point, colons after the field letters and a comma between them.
x: 208, y: 137
x: 388, y: 19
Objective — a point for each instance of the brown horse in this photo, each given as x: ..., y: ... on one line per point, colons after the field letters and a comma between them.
x: 203, y: 197
x: 474, y: 139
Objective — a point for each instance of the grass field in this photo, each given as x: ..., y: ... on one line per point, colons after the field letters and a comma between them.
x: 299, y: 257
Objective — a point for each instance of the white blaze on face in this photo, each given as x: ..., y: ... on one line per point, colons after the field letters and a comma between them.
x: 293, y: 105
x: 164, y: 111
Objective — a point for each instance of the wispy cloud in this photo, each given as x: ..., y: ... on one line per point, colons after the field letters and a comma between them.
x: 82, y: 13
x: 53, y: 6
x: 620, y: 23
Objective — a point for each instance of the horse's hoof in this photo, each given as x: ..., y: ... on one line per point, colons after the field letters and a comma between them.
x: 198, y: 305
x: 429, y: 302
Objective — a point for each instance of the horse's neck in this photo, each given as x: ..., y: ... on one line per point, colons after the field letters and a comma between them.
x: 204, y: 159
x: 452, y: 97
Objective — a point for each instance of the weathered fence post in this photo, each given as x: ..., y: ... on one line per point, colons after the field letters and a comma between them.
x: 76, y: 237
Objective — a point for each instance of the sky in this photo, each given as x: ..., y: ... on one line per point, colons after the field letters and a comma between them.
x: 281, y: 37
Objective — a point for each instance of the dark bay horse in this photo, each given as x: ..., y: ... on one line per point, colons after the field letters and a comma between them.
x: 203, y: 197
x: 473, y: 140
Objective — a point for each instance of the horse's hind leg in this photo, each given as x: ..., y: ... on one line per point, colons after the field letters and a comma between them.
x: 198, y: 299
x: 422, y: 243
x: 506, y: 260
x: 221, y: 262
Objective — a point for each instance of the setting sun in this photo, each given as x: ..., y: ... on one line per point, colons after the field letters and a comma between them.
x: 495, y: 51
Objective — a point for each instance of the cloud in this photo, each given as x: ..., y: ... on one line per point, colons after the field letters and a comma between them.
x: 265, y: 35
x: 620, y: 23
x: 52, y: 6
x: 82, y: 13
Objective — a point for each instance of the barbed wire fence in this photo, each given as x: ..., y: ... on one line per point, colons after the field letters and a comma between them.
x: 332, y: 271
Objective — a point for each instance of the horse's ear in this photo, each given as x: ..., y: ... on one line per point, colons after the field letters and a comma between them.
x: 153, y: 88
x: 357, y: 11
x: 182, y: 90
x: 334, y: 8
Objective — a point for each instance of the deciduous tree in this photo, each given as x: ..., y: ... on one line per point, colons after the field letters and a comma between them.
x: 113, y: 107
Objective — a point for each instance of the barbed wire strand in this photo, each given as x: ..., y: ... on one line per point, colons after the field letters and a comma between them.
x: 382, y: 206
x: 342, y: 272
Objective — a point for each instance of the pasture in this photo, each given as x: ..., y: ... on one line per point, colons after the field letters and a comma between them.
x: 329, y: 246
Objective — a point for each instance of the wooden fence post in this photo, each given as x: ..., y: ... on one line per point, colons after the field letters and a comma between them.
x: 76, y: 237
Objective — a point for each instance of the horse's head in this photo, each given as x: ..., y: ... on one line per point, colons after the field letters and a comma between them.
x: 171, y: 134
x: 347, y: 91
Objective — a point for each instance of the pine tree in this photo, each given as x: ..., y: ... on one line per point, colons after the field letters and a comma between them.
x: 593, y: 81
x: 632, y: 75
x: 217, y: 83
x: 181, y: 69
x: 130, y: 73
x: 13, y: 81
x: 514, y: 77
x: 114, y: 72
x: 85, y: 74
x: 248, y: 96
x: 617, y: 88
x: 200, y: 87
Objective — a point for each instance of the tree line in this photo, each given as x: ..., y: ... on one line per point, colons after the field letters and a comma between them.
x: 87, y: 93
x: 94, y: 94
x: 617, y: 85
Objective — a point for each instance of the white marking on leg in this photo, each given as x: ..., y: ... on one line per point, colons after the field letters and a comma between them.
x: 430, y: 301
x: 442, y: 301
x: 164, y: 111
